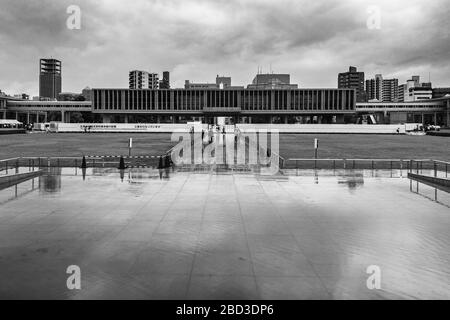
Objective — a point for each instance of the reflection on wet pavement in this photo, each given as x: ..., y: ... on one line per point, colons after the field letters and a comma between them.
x: 155, y: 234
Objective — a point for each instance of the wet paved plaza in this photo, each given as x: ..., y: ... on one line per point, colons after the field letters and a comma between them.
x: 223, y: 236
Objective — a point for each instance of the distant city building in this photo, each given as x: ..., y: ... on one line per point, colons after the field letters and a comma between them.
x: 353, y: 80
x: 50, y: 79
x: 22, y: 96
x: 196, y: 85
x: 414, y: 90
x: 221, y: 83
x: 382, y: 90
x: 374, y: 88
x: 272, y: 81
x: 70, y: 96
x: 143, y: 80
x: 165, y: 81
x: 440, y: 92
x: 390, y: 90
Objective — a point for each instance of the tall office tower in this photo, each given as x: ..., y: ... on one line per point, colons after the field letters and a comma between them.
x: 383, y: 90
x: 353, y: 80
x: 165, y: 82
x: 49, y: 78
x: 143, y: 80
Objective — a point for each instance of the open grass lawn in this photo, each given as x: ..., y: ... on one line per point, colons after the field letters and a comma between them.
x: 358, y: 146
x: 291, y: 146
x: 77, y: 144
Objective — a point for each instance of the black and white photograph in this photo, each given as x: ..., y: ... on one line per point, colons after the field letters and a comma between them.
x: 200, y: 151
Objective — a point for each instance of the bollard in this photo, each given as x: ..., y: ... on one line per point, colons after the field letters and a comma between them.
x: 83, y: 163
x: 122, y: 163
x: 160, y: 164
x: 167, y: 161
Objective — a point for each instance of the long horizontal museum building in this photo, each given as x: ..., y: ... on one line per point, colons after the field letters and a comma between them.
x: 238, y: 105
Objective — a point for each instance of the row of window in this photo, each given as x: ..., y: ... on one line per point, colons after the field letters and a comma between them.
x: 327, y: 99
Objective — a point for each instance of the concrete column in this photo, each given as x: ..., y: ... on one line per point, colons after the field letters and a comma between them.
x: 126, y: 118
x: 46, y: 116
x: 28, y: 117
x: 17, y: 115
x: 106, y: 118
x: 63, y: 118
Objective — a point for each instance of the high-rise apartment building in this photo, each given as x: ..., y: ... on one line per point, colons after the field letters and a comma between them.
x: 50, y: 80
x: 383, y: 90
x: 390, y: 90
x: 353, y: 80
x: 143, y: 80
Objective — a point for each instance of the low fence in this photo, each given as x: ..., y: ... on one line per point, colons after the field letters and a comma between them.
x: 33, y: 163
x: 436, y: 168
x: 418, y: 166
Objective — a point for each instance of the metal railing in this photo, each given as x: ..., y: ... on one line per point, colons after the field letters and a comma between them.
x: 370, y: 164
x: 12, y: 165
x: 439, y: 169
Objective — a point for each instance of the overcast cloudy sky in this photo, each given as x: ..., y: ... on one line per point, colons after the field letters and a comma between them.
x: 198, y: 39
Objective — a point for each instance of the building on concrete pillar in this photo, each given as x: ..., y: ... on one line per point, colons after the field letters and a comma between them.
x: 236, y: 105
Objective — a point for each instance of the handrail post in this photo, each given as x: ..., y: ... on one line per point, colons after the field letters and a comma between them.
x: 435, y: 168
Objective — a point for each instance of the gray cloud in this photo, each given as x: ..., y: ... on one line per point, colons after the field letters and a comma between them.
x: 312, y: 40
